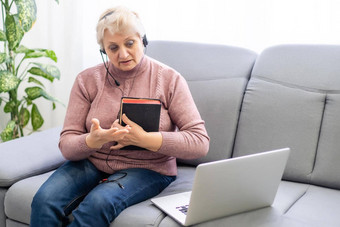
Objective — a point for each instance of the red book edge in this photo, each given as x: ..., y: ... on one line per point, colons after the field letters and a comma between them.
x: 141, y: 101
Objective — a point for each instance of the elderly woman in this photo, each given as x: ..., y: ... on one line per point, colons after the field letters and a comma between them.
x: 100, y: 179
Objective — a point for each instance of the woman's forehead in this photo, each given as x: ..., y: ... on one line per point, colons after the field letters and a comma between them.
x: 118, y: 37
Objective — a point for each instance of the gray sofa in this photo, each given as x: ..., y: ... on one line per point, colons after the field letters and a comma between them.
x: 287, y: 96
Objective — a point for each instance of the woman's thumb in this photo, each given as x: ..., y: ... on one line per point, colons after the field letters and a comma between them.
x: 95, y: 123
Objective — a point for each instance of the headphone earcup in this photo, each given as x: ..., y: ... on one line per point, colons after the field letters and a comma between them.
x: 145, y: 41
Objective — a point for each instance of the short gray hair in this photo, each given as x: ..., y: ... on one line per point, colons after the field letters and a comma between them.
x: 118, y: 20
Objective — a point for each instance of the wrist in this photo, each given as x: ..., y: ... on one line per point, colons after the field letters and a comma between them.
x: 91, y: 143
x: 153, y: 141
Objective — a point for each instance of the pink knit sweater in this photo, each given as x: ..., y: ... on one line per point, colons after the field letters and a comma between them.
x: 96, y: 96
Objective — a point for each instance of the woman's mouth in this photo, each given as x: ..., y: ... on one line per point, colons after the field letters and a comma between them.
x: 125, y: 62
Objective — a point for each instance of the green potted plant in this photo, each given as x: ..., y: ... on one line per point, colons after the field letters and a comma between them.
x: 20, y: 75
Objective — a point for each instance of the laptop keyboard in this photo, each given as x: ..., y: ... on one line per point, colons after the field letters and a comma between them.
x: 183, y: 209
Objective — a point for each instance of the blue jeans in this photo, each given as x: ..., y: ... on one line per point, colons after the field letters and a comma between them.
x: 74, y: 187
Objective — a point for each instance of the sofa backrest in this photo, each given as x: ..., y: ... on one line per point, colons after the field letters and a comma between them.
x: 217, y: 76
x: 29, y: 156
x: 293, y: 100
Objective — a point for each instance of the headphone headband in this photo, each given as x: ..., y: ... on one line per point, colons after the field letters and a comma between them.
x: 106, y: 15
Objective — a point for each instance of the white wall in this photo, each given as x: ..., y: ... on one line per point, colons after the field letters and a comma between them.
x: 69, y: 29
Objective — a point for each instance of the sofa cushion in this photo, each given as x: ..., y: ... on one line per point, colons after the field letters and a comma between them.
x: 296, y: 205
x: 11, y: 223
x: 291, y: 101
x: 217, y: 76
x: 274, y: 216
x: 319, y: 206
x: 145, y: 213
x: 34, y: 154
x: 265, y: 217
x: 327, y: 164
x: 313, y: 67
x: 20, y: 195
x: 2, y: 208
x: 19, y: 198
x: 276, y: 116
x: 216, y: 100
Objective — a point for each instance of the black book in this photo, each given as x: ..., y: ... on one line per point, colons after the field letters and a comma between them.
x: 143, y: 111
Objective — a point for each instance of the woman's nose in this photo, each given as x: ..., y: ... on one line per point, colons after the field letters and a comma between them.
x: 123, y: 53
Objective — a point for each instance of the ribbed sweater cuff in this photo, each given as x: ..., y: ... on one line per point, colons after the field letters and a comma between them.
x: 168, y: 142
x: 83, y: 146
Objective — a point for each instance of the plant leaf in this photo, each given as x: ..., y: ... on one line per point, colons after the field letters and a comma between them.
x: 14, y: 33
x: 24, y: 116
x: 36, y: 118
x: 8, y: 81
x: 8, y: 133
x: 3, y: 57
x: 37, y: 92
x: 34, y: 92
x: 47, y: 71
x: 28, y: 101
x: 23, y: 49
x: 9, y: 106
x: 51, y: 54
x: 33, y: 80
x: 27, y: 11
x: 2, y: 36
x: 37, y: 53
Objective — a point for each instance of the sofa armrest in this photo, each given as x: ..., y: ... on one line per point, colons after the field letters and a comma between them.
x: 30, y: 155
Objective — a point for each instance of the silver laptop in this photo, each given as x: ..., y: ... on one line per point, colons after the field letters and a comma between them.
x: 227, y: 187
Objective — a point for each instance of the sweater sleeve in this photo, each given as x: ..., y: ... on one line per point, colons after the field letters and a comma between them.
x: 72, y: 138
x: 191, y: 140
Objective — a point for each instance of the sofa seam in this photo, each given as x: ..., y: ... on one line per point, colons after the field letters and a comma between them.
x: 239, y: 118
x: 298, y: 199
x: 319, y: 136
x: 241, y: 107
x: 290, y: 85
x: 227, y: 78
x: 160, y: 218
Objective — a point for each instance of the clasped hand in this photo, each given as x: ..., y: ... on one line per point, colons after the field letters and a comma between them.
x: 130, y: 134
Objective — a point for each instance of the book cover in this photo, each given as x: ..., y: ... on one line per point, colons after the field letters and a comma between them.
x: 143, y: 111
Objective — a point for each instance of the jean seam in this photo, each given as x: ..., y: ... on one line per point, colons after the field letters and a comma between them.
x: 70, y: 203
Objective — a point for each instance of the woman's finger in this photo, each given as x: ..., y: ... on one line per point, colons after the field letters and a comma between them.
x: 127, y: 120
x: 95, y: 124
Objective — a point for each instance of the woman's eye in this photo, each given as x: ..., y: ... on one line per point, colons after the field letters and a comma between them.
x: 113, y: 48
x: 129, y: 43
